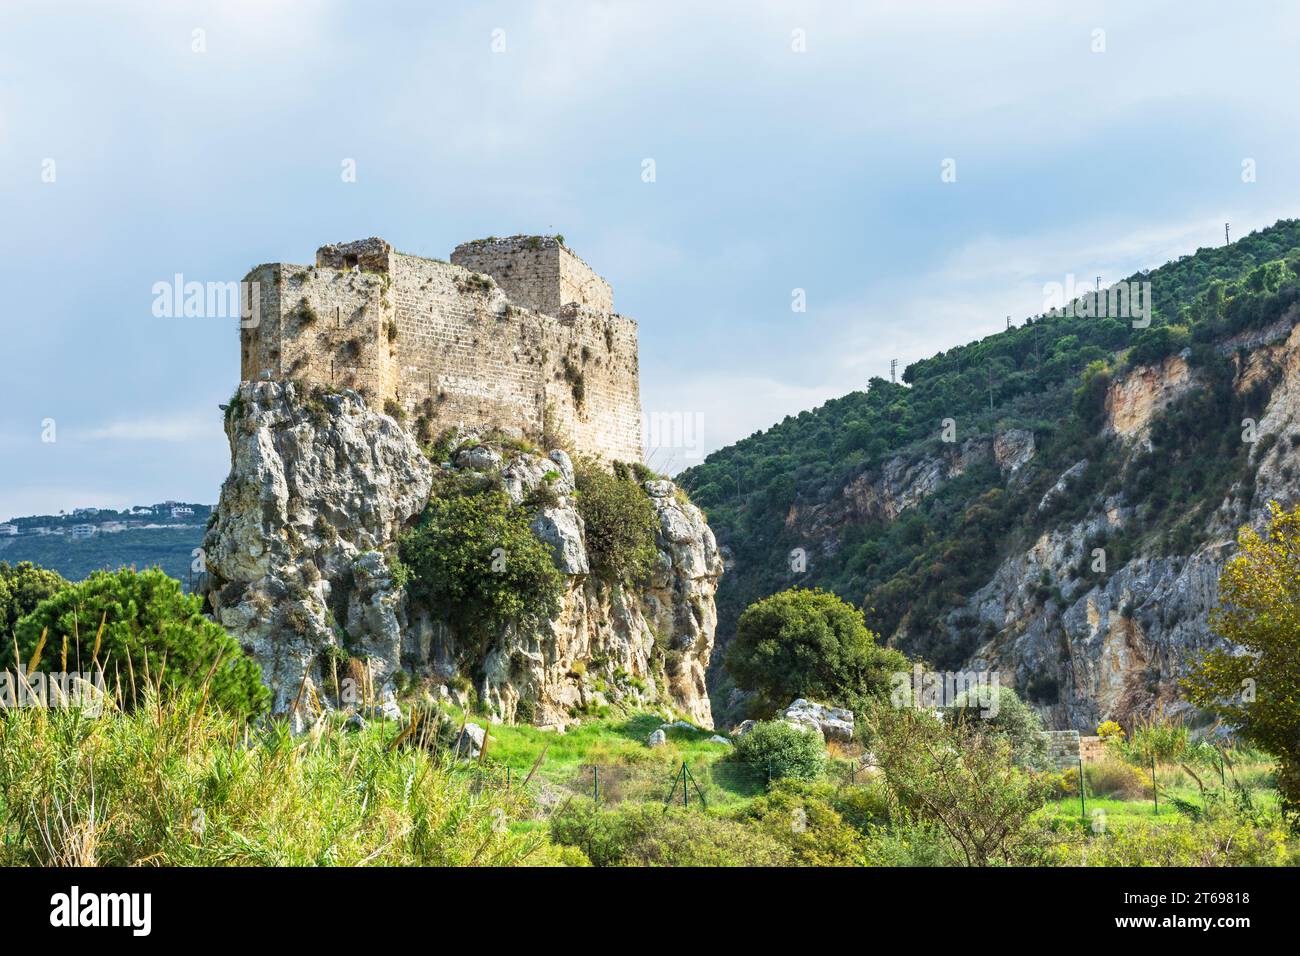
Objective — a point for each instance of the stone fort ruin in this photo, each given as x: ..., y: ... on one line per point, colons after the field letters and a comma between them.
x: 518, y: 334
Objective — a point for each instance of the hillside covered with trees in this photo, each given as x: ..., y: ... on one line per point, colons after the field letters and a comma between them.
x: 915, y: 571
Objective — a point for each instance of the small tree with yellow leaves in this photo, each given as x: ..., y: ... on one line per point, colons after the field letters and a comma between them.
x: 1255, y: 686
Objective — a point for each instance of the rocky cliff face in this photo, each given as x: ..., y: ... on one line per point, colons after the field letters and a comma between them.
x: 1113, y: 644
x: 1088, y: 630
x: 903, y: 482
x: 300, y: 569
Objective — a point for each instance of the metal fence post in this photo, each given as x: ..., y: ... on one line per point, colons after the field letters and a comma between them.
x: 1155, y: 793
x: 1083, y: 803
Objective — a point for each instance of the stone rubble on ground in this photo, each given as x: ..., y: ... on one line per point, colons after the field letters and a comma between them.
x: 832, y: 723
x: 470, y: 743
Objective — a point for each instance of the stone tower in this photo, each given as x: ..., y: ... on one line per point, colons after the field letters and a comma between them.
x: 518, y: 334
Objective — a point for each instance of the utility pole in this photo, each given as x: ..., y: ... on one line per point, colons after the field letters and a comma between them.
x: 1008, y: 321
x: 1098, y: 283
x: 893, y: 369
x: 1226, y: 241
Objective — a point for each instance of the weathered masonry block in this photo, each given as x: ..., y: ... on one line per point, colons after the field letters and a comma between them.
x: 537, y: 272
x: 517, y: 334
x: 1063, y: 748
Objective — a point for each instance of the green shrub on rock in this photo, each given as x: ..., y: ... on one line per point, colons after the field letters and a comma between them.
x: 620, y: 524
x: 474, y: 558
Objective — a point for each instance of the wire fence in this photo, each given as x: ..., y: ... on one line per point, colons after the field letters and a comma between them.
x: 685, y: 783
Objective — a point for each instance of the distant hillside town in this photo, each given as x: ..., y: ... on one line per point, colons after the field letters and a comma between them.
x: 83, y: 540
x: 87, y: 522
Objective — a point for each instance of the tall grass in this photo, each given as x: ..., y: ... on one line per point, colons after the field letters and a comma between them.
x: 176, y: 783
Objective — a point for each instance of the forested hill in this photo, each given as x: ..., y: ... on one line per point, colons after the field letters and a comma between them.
x: 910, y: 527
x: 75, y: 544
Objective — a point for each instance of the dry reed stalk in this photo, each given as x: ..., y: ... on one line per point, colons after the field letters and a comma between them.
x: 36, y: 655
x: 99, y: 637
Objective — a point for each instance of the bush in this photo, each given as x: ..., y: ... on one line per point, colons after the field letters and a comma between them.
x: 1165, y: 740
x: 959, y: 781
x: 474, y: 558
x: 782, y: 750
x: 1064, y: 784
x: 151, y: 628
x: 1114, y: 778
x: 802, y: 816
x: 809, y: 643
x: 22, y: 587
x: 1108, y: 729
x: 647, y: 835
x: 1014, y: 720
x: 620, y: 524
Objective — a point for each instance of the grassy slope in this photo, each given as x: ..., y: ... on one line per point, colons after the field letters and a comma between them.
x: 629, y: 770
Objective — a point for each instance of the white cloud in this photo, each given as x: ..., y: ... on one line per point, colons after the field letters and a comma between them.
x: 197, y: 427
x: 729, y: 407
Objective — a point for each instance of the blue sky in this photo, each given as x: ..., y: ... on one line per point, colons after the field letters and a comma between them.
x: 774, y: 170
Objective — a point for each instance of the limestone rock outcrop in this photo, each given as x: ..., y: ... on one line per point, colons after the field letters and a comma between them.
x: 298, y: 554
x: 300, y: 569
x: 1112, y: 646
x: 832, y: 723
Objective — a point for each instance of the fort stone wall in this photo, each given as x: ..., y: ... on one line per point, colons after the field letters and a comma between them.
x: 527, y: 343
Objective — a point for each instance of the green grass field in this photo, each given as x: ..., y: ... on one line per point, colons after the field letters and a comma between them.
x: 177, y: 784
x: 625, y: 768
